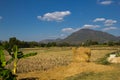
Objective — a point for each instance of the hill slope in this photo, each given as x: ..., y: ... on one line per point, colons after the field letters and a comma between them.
x: 88, y: 34
x: 119, y: 37
x: 50, y: 40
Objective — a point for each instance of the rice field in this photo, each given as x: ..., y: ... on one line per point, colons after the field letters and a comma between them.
x: 46, y: 58
x: 56, y: 63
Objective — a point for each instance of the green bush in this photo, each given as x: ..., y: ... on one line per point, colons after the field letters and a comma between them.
x: 104, y: 60
x: 7, y: 74
x: 118, y: 54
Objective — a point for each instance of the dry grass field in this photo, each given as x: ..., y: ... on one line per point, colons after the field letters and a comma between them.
x: 56, y: 63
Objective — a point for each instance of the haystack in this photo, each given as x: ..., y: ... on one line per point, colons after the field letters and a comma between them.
x: 81, y: 54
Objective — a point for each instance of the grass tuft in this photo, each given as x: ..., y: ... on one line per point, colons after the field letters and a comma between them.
x: 80, y: 76
x: 104, y: 60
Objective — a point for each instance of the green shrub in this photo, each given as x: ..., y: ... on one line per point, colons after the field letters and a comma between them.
x: 104, y: 60
x: 118, y: 54
x: 7, y: 74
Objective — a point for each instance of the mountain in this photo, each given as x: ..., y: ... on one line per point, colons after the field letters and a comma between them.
x: 119, y: 37
x: 87, y: 34
x: 50, y: 40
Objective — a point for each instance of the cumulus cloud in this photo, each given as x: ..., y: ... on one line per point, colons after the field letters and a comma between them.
x: 54, y: 16
x: 110, y: 22
x: 106, y: 22
x: 70, y: 30
x: 109, y: 28
x: 62, y: 35
x: 105, y: 2
x: 1, y: 17
x: 87, y: 26
x: 99, y: 19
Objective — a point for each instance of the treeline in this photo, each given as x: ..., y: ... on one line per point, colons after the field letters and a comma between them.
x: 108, y: 43
x: 21, y: 44
x: 25, y: 44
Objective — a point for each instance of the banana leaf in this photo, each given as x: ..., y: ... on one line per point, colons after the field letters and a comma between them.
x: 29, y: 54
x: 2, y: 59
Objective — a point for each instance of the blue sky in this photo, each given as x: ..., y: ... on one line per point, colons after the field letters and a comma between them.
x: 35, y: 20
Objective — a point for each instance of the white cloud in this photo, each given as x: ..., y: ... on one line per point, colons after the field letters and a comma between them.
x: 62, y: 35
x: 105, y: 2
x: 54, y: 16
x: 87, y: 26
x: 110, y: 22
x: 109, y: 28
x: 107, y: 22
x: 1, y: 17
x: 68, y: 30
x: 99, y: 19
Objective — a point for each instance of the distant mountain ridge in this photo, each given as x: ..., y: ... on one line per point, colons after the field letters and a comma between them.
x: 83, y: 35
x: 119, y: 37
x: 50, y: 40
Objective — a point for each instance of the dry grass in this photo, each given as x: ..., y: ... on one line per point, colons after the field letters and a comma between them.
x: 44, y: 60
x: 81, y: 54
x: 57, y: 63
x: 59, y: 73
x: 112, y: 74
x: 99, y: 54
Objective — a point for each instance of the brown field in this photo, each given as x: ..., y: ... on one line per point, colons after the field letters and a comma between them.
x: 56, y: 63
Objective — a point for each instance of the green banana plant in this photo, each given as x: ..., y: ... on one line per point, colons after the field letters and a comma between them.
x: 2, y: 59
x: 16, y: 55
x: 19, y: 55
x: 15, y: 52
x: 5, y: 74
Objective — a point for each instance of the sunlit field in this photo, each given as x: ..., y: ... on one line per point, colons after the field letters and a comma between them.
x: 57, y: 63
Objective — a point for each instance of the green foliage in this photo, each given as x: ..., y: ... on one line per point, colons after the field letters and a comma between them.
x: 103, y: 60
x: 24, y: 44
x: 118, y: 53
x: 21, y: 44
x: 28, y: 55
x: 2, y: 58
x: 111, y: 43
x: 7, y: 74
